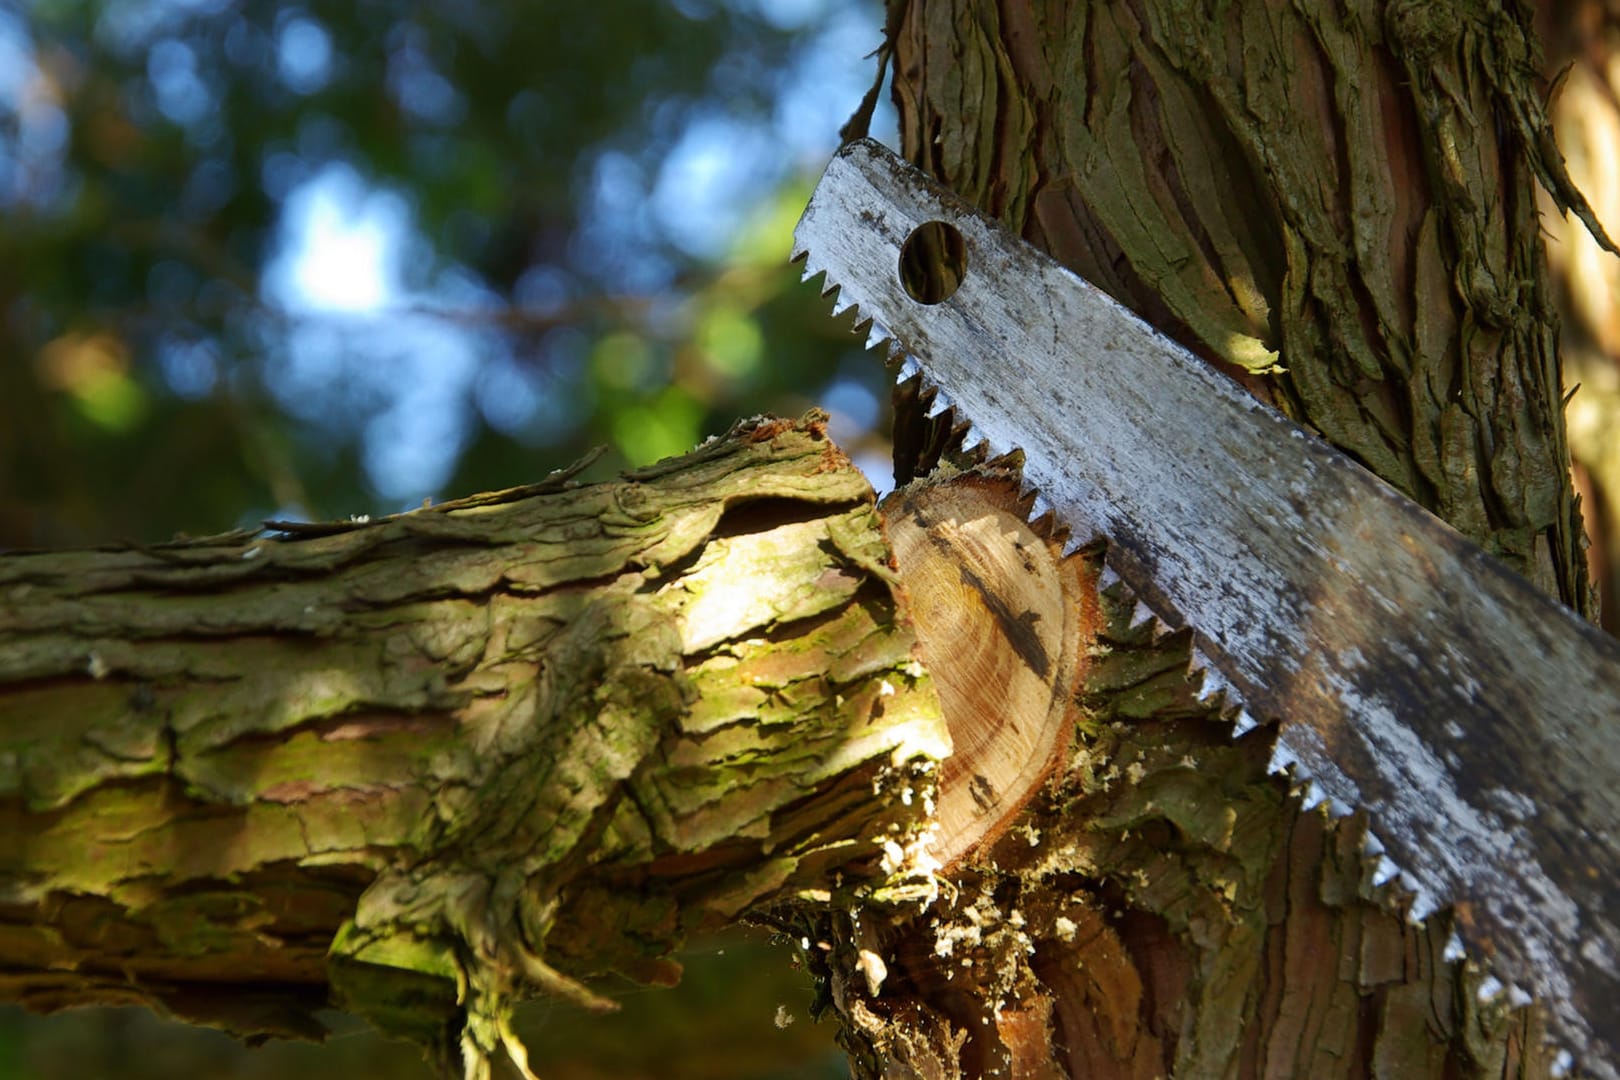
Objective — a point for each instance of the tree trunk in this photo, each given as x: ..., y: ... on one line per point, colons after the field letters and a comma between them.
x: 1335, y: 205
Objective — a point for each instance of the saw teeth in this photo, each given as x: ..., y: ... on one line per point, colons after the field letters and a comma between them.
x: 1454, y: 949
x: 1108, y: 577
x: 908, y: 367
x: 1039, y: 507
x: 1518, y: 996
x: 1232, y: 708
x: 1281, y: 759
x: 1140, y: 614
x: 1310, y: 796
x: 1562, y: 1063
x: 1339, y: 808
x: 1370, y: 844
x: 874, y: 335
x: 874, y: 332
x: 1423, y: 905
x: 941, y: 402
x: 1385, y: 872
x: 1489, y: 990
x: 973, y: 442
x: 1213, y: 683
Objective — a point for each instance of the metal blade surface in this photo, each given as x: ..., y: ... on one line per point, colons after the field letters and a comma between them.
x: 1476, y: 720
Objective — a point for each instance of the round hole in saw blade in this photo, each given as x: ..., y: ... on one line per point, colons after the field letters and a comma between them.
x: 932, y: 262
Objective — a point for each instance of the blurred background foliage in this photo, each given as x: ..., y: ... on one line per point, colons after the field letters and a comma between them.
x: 324, y: 258
x: 1581, y: 42
x: 308, y: 260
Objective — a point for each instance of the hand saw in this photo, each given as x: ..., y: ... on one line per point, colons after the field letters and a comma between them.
x: 1412, y: 674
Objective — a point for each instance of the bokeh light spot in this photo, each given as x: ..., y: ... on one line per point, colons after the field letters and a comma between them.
x: 625, y: 361
x: 181, y: 94
x: 665, y: 427
x: 94, y: 370
x: 189, y: 368
x: 340, y: 246
x: 303, y: 55
x: 731, y: 341
x: 852, y: 407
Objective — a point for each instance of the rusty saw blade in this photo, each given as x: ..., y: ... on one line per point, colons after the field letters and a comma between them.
x: 1476, y: 720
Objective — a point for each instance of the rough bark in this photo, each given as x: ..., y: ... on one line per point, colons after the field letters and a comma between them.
x: 1164, y: 908
x: 425, y: 766
x: 1335, y: 205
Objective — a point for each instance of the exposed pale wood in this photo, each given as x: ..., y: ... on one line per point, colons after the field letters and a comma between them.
x: 518, y: 740
x: 1003, y: 624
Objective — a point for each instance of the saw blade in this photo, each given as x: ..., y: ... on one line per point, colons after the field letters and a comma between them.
x: 1412, y: 674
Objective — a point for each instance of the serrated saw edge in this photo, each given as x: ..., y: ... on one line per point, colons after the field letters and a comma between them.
x: 1417, y: 904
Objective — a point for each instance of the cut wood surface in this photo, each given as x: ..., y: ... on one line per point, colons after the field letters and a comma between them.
x: 1004, y: 623
x: 1162, y: 907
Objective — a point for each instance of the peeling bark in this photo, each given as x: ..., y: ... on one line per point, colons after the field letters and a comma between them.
x: 1583, y: 39
x: 425, y: 766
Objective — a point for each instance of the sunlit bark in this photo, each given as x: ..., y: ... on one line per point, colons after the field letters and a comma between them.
x: 426, y: 766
